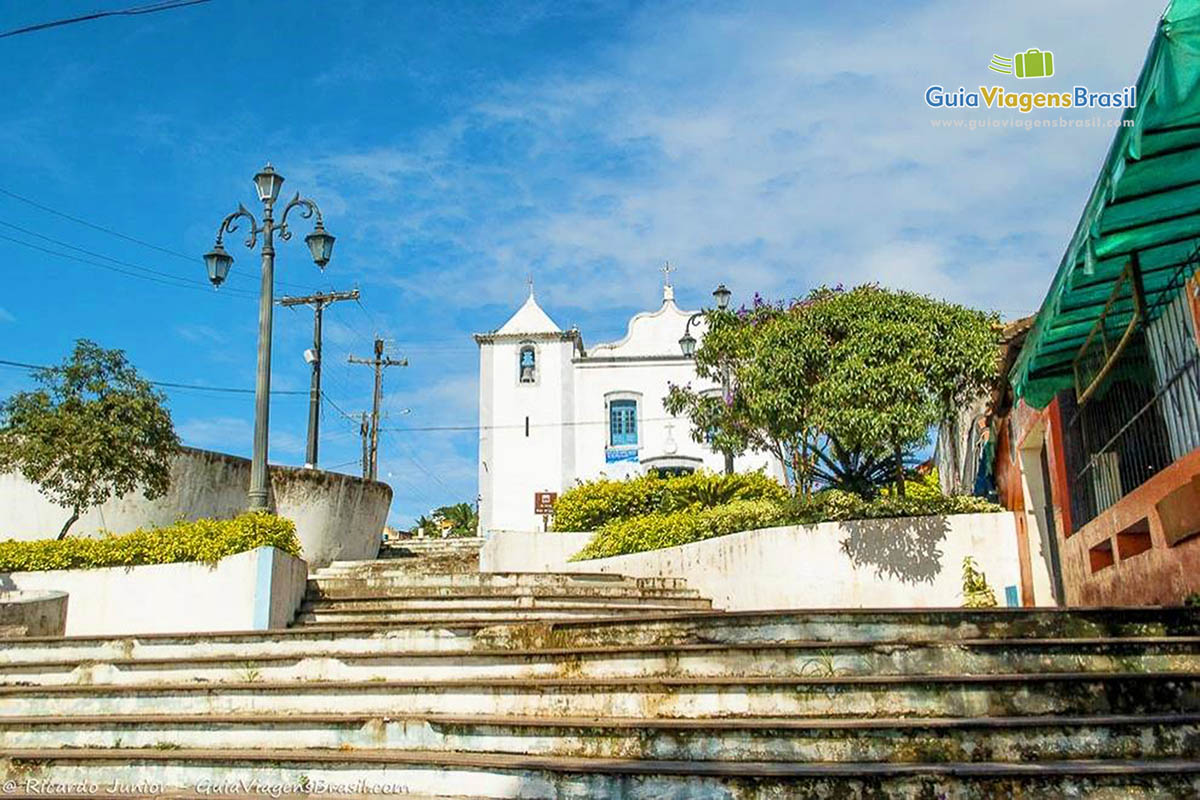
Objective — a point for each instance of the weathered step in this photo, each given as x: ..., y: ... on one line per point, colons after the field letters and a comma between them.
x: 684, y: 697
x: 508, y: 614
x: 403, y: 637
x: 893, y: 740
x: 504, y: 775
x: 365, y: 590
x: 796, y: 659
x: 860, y: 624
x: 380, y: 571
x: 500, y: 601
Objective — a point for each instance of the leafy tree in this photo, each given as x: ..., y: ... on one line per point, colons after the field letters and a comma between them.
x: 775, y: 362
x: 899, y: 363
x: 425, y: 527
x: 463, y: 518
x: 841, y: 384
x: 94, y: 430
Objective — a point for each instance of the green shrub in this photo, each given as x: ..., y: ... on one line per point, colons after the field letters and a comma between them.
x: 207, y: 540
x: 976, y: 592
x: 671, y: 528
x: 591, y: 505
x: 668, y: 529
x: 926, y: 487
x: 834, y: 504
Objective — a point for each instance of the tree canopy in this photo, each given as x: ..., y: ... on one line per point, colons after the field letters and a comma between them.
x: 94, y: 429
x: 838, y: 383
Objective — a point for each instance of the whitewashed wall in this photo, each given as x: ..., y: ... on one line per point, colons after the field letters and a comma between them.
x: 568, y: 412
x: 253, y: 591
x: 337, y: 516
x: 897, y: 563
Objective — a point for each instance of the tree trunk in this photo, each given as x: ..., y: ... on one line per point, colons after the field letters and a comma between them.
x: 74, y: 517
x: 899, y: 471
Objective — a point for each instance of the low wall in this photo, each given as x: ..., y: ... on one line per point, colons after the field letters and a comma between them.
x: 42, y: 613
x: 252, y: 591
x: 337, y: 516
x: 893, y: 563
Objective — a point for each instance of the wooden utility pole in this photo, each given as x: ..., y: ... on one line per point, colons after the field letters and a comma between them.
x: 318, y: 301
x: 364, y: 430
x: 379, y: 362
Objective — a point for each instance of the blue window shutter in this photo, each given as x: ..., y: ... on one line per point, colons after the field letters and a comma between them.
x: 622, y: 423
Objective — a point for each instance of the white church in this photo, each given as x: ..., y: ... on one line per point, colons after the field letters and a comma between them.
x: 553, y: 412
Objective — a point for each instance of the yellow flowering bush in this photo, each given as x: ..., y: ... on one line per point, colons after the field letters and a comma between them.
x: 207, y: 540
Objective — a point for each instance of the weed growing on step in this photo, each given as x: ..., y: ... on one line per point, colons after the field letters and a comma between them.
x: 249, y: 673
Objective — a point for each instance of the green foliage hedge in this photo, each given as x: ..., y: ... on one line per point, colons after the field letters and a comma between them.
x: 591, y: 505
x: 207, y: 540
x: 658, y: 529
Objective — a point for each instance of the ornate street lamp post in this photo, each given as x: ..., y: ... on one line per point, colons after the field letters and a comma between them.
x: 218, y: 262
x: 687, y: 343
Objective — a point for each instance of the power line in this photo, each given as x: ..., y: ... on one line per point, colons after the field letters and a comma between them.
x: 183, y: 282
x: 164, y: 384
x: 177, y: 283
x: 191, y: 259
x: 517, y: 426
x: 134, y: 11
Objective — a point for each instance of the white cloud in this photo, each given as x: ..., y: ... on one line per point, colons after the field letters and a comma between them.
x: 773, y: 150
x: 764, y: 149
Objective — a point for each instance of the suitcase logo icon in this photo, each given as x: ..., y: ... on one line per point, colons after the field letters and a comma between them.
x: 1033, y: 63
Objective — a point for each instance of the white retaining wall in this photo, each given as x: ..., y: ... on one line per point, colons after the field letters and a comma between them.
x: 338, y: 517
x: 252, y: 591
x: 892, y: 563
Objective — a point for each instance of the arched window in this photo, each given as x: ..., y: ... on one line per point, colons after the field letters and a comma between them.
x: 622, y: 423
x: 527, y: 365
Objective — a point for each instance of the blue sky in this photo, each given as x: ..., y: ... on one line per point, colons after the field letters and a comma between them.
x: 457, y: 147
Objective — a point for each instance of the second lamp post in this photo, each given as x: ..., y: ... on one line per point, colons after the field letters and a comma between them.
x: 218, y: 262
x: 687, y: 343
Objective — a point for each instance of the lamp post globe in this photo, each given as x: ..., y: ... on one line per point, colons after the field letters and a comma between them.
x: 218, y: 263
x: 268, y: 183
x: 687, y: 343
x: 722, y: 295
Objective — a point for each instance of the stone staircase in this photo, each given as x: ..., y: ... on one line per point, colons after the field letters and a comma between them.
x: 403, y: 680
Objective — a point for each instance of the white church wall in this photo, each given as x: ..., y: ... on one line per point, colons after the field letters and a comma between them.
x: 659, y: 434
x: 567, y: 405
x: 517, y: 460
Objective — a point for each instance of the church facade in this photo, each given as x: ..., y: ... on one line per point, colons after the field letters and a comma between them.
x: 553, y: 412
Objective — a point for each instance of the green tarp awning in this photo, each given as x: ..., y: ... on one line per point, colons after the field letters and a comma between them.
x: 1146, y: 200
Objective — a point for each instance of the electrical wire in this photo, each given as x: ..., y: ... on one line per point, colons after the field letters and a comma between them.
x: 191, y: 259
x: 124, y: 12
x: 164, y: 384
x: 516, y: 426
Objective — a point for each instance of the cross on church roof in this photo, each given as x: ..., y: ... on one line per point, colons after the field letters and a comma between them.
x: 667, y: 269
x: 529, y: 281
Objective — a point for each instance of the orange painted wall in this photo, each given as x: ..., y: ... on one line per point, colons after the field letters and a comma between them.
x: 1161, y: 575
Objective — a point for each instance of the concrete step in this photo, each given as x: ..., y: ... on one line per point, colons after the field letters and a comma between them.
x: 367, y: 590
x: 614, y: 604
x: 381, y: 571
x: 677, y: 697
x: 513, y: 613
x: 462, y: 635
x: 496, y: 775
x: 892, y: 740
x: 262, y: 660
x: 883, y: 625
